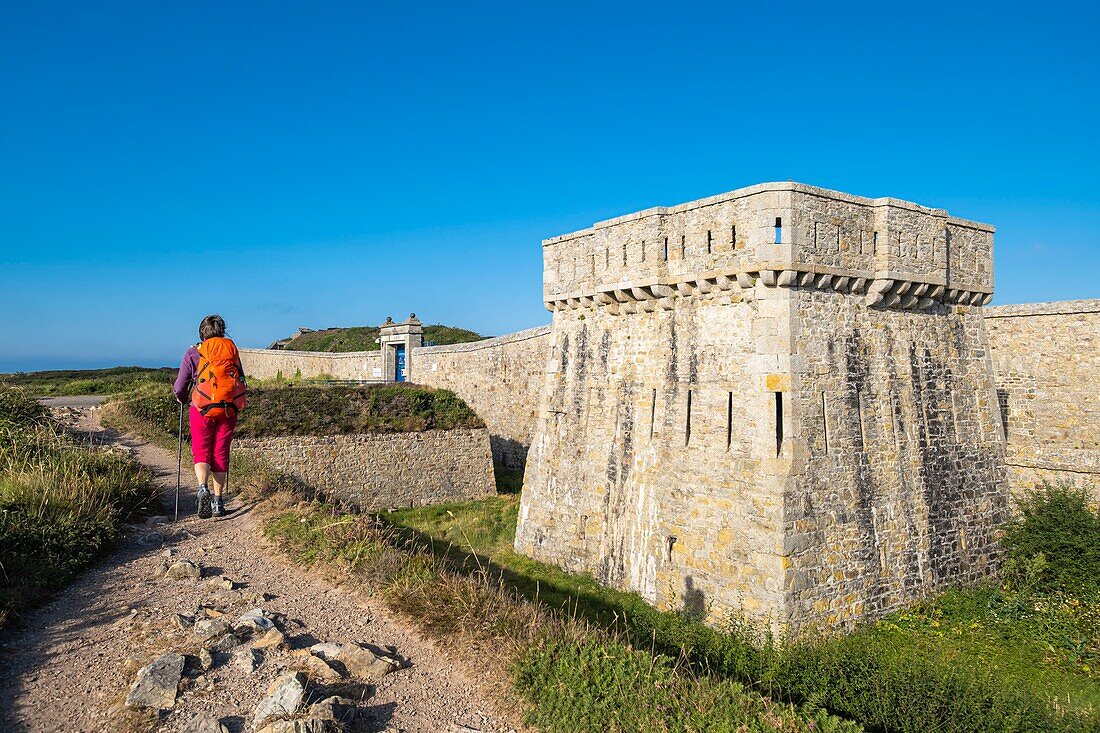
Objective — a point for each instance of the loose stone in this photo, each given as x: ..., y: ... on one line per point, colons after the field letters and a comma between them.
x: 284, y: 697
x: 156, y: 684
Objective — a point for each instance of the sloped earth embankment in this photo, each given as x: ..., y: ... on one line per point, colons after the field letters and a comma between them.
x: 69, y: 666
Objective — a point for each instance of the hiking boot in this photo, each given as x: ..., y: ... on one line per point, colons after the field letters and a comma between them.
x: 216, y: 507
x: 204, y: 503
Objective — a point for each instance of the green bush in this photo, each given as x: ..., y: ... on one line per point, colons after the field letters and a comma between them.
x: 888, y: 683
x: 17, y: 409
x: 1053, y: 543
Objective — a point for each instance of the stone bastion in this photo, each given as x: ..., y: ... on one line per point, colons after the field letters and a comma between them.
x: 781, y: 400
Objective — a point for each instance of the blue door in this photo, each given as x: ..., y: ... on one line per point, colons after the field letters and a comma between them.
x: 399, y: 363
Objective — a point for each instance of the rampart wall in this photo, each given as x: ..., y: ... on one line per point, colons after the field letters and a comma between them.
x: 1046, y: 357
x: 385, y: 471
x: 499, y: 378
x: 273, y: 363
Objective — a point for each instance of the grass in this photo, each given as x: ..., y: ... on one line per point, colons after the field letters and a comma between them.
x: 574, y: 675
x: 61, y: 505
x: 1018, y: 654
x: 1015, y: 655
x: 116, y: 380
x: 363, y: 338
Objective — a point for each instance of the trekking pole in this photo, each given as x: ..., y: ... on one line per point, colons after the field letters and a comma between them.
x: 179, y: 465
x: 228, y: 460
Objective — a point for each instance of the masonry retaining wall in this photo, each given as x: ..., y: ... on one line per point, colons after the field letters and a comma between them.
x: 1046, y: 357
x: 272, y: 363
x: 384, y: 471
x: 499, y: 378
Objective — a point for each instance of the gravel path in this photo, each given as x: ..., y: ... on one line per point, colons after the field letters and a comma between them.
x: 73, y: 660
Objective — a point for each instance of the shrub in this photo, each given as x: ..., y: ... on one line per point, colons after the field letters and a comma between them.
x: 1053, y: 544
x: 888, y: 683
x: 61, y: 505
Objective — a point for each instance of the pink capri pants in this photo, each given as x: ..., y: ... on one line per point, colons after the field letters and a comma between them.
x: 210, y: 438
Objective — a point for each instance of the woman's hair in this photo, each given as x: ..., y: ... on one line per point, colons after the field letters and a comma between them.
x: 213, y: 326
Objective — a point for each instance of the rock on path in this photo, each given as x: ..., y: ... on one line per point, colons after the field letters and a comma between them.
x: 76, y: 658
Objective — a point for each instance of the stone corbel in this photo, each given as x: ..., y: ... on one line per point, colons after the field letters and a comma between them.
x: 624, y: 296
x: 876, y: 291
x: 725, y: 282
x: 661, y: 291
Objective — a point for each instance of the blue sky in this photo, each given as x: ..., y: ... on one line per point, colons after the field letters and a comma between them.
x: 325, y: 164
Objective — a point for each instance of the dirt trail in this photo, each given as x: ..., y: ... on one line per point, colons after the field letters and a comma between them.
x: 64, y: 669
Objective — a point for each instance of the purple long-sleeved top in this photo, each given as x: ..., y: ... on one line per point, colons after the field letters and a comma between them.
x: 188, y: 366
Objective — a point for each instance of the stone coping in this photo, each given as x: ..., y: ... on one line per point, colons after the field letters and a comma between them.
x: 376, y: 354
x: 765, y: 188
x: 1054, y: 308
x: 488, y: 343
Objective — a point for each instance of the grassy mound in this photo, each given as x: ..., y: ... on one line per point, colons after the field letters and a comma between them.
x: 396, y: 408
x: 362, y: 338
x: 392, y: 408
x: 61, y: 505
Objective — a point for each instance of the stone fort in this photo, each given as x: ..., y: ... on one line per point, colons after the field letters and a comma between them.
x: 783, y: 400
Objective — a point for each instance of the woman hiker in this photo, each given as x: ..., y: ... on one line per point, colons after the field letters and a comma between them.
x: 212, y: 379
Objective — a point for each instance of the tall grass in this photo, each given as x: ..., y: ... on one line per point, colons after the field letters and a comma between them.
x: 61, y: 503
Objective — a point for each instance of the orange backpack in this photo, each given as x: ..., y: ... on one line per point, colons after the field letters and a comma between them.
x: 220, y: 389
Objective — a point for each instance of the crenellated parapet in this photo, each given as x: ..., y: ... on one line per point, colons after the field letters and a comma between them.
x: 895, y: 253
